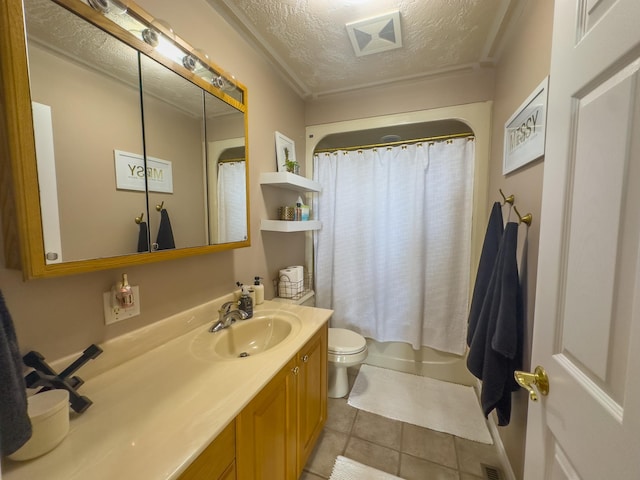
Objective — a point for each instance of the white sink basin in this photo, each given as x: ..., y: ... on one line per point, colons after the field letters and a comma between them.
x: 246, y: 338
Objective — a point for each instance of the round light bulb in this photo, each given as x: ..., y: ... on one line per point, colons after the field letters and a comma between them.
x: 116, y: 7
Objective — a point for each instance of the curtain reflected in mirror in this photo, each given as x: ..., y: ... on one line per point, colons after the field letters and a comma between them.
x: 232, y: 200
x: 227, y: 176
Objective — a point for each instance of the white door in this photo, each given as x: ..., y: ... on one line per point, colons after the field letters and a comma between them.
x: 587, y: 316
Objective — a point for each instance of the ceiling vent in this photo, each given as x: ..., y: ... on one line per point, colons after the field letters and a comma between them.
x: 376, y: 34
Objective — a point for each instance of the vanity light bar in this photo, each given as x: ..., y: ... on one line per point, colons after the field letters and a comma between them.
x: 159, y: 35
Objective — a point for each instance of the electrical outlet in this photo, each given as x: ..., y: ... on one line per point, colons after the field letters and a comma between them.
x: 114, y: 313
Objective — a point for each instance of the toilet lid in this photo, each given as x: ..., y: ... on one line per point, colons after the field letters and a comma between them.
x: 343, y: 341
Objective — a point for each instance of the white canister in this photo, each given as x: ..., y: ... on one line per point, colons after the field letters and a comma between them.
x: 49, y: 415
x: 259, y: 289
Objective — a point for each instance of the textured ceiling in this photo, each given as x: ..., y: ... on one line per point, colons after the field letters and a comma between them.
x: 308, y: 43
x: 57, y: 29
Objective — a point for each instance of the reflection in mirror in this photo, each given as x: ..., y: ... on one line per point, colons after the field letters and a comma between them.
x: 85, y: 89
x: 226, y: 166
x: 174, y: 147
x: 87, y: 192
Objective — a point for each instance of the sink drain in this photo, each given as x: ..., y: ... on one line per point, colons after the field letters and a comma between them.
x: 243, y: 354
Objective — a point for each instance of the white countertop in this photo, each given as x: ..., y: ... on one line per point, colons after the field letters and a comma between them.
x: 154, y: 414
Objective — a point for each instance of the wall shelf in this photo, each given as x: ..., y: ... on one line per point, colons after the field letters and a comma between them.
x: 289, y: 226
x: 290, y: 181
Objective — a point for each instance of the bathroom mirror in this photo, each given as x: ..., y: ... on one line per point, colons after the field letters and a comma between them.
x: 81, y: 114
x: 174, y: 144
x: 101, y: 128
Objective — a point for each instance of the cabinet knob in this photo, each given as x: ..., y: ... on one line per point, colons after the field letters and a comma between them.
x: 295, y: 370
x: 305, y: 359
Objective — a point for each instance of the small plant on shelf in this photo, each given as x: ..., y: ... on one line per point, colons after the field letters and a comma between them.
x: 290, y: 165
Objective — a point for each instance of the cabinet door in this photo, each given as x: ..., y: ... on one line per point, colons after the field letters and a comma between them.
x: 312, y: 394
x: 230, y: 473
x: 266, y: 431
x: 216, y: 460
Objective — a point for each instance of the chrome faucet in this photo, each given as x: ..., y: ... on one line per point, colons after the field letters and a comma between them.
x: 227, y: 317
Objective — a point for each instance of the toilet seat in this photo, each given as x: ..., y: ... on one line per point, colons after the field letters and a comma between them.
x: 345, y: 342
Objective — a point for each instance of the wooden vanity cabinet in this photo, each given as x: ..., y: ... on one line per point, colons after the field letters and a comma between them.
x: 266, y: 431
x: 275, y: 433
x: 217, y: 462
x: 312, y: 394
x: 278, y: 429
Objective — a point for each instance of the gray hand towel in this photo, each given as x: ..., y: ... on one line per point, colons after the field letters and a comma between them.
x: 143, y: 238
x: 15, y: 426
x: 496, y: 348
x: 165, y: 233
x: 490, y: 248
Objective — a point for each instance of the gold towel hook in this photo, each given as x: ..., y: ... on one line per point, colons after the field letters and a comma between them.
x: 510, y: 199
x: 139, y: 219
x: 160, y: 207
x: 526, y: 219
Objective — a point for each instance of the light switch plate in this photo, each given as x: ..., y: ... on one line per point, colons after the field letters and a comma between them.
x: 114, y: 313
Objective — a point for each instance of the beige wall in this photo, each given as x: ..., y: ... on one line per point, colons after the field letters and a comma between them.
x: 523, y: 65
x: 61, y: 316
x: 442, y: 91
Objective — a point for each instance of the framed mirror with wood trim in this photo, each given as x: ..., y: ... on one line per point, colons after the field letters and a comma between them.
x: 116, y: 141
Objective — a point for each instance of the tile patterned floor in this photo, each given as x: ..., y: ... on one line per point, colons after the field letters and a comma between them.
x: 402, y: 449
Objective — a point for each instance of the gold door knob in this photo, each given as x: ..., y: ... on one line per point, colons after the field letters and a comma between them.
x: 538, y: 378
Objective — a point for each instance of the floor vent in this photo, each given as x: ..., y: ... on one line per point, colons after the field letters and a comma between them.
x: 489, y: 472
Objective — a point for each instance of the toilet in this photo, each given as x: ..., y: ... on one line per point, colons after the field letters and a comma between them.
x: 346, y: 349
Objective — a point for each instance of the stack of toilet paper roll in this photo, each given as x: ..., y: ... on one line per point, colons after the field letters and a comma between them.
x: 291, y: 281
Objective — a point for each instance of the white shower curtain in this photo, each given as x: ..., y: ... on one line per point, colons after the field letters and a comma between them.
x: 232, y: 202
x: 392, y: 257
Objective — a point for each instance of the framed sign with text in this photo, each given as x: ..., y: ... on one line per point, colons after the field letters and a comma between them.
x: 525, y: 131
x: 131, y: 172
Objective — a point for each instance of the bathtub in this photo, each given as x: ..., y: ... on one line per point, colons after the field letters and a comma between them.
x: 401, y: 357
x: 426, y: 362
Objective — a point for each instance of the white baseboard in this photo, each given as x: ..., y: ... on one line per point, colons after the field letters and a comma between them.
x: 502, y: 453
x: 497, y: 440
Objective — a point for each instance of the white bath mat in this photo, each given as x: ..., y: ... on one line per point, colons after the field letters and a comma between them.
x: 347, y: 469
x: 442, y: 406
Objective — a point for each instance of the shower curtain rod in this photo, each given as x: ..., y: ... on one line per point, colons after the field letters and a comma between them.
x: 232, y: 160
x: 393, y: 144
